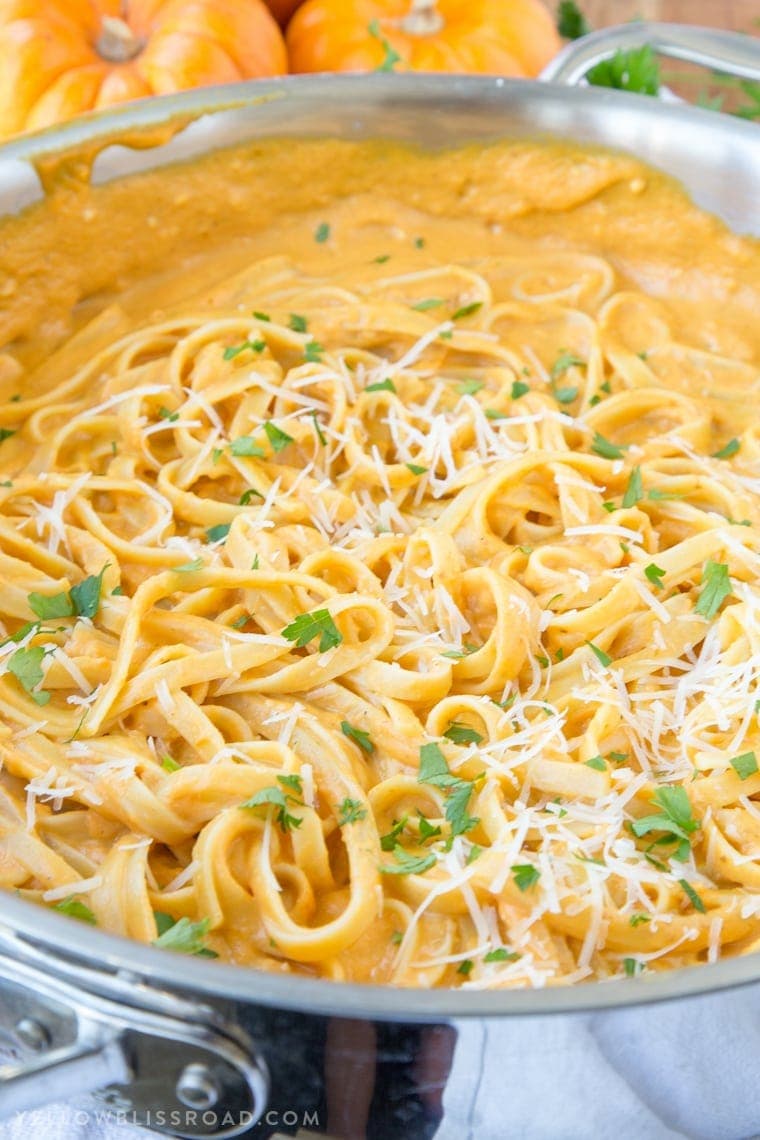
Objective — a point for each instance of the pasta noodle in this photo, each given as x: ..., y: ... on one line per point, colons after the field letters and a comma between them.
x: 404, y: 630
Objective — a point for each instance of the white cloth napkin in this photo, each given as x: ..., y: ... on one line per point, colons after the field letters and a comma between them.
x: 663, y: 1072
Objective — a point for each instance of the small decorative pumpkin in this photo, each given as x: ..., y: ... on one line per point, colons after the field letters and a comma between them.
x: 494, y: 37
x: 60, y: 58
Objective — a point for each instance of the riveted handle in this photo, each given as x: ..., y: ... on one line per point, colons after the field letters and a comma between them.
x: 156, y: 1059
x: 724, y: 51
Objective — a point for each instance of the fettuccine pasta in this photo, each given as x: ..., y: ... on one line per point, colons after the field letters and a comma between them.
x: 401, y: 629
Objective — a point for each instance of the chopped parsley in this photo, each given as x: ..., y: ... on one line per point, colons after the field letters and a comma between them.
x: 602, y: 657
x: 416, y: 469
x: 279, y: 799
x: 434, y: 770
x: 427, y: 303
x: 564, y: 361
x: 606, y: 449
x: 313, y: 352
x: 467, y: 310
x: 189, y: 567
x: 359, y: 736
x: 727, y: 450
x: 278, y: 438
x: 388, y: 841
x: 351, y: 811
x: 465, y: 967
x: 165, y: 414
x: 306, y: 627
x: 48, y: 606
x: 519, y: 388
x: 245, y: 446
x: 391, y: 56
x: 261, y: 316
x: 495, y: 414
x: 632, y: 967
x: 246, y: 497
x: 638, y: 919
x: 597, y: 762
x: 501, y: 954
x: 674, y: 820
x: 170, y: 765
x: 692, y: 896
x: 26, y: 667
x: 525, y: 875
x: 634, y: 492
x: 298, y: 323
x: 386, y: 385
x: 218, y: 533
x: 322, y: 233
x: 184, y: 936
x: 75, y: 908
x: 716, y: 587
x: 234, y: 350
x: 319, y: 433
x: 462, y: 734
x: 407, y: 864
x: 6, y: 433
x: 469, y: 387
x: 745, y: 765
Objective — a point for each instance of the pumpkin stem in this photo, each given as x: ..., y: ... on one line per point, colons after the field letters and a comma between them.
x: 422, y: 19
x: 117, y: 43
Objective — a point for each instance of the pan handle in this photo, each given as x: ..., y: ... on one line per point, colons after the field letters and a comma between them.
x: 150, y: 1056
x: 710, y: 47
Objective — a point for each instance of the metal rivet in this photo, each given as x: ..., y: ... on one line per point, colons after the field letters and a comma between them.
x: 197, y: 1087
x: 33, y: 1034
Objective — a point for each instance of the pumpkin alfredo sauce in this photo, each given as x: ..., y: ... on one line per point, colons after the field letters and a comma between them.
x: 380, y: 547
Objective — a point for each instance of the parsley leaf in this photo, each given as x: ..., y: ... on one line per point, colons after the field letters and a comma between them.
x: 170, y: 765
x: 462, y: 734
x: 728, y: 450
x: 184, y: 936
x: 306, y: 627
x: 386, y: 385
x: 465, y: 967
x: 745, y: 765
x: 165, y: 414
x: 245, y: 446
x: 606, y: 449
x: 234, y: 350
x: 359, y: 737
x: 26, y: 667
x: 407, y: 864
x: 636, y: 70
x: 467, y: 310
x: 278, y: 438
x: 218, y: 532
x: 571, y: 22
x: 519, y: 388
x: 654, y: 573
x: 434, y: 770
x: 525, y: 875
x: 716, y: 587
x: 298, y: 323
x: 674, y: 820
x: 388, y: 841
x: 501, y: 954
x: 75, y: 908
x: 278, y: 799
x: 416, y: 469
x: 246, y: 497
x: 564, y: 361
x: 48, y: 606
x: 312, y: 353
x: 6, y: 433
x: 85, y: 596
x: 692, y: 896
x: 351, y: 811
x: 189, y: 567
x: 637, y: 919
x: 597, y: 762
x: 322, y: 233
x: 602, y: 657
x: 261, y: 316
x: 427, y: 303
x: 319, y: 433
x: 391, y: 57
x: 469, y: 387
x: 634, y: 492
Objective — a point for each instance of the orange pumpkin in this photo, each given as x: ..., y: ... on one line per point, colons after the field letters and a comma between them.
x: 495, y: 37
x: 59, y: 58
x: 282, y: 10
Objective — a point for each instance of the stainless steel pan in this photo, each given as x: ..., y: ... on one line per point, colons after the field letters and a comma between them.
x: 193, y: 1048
